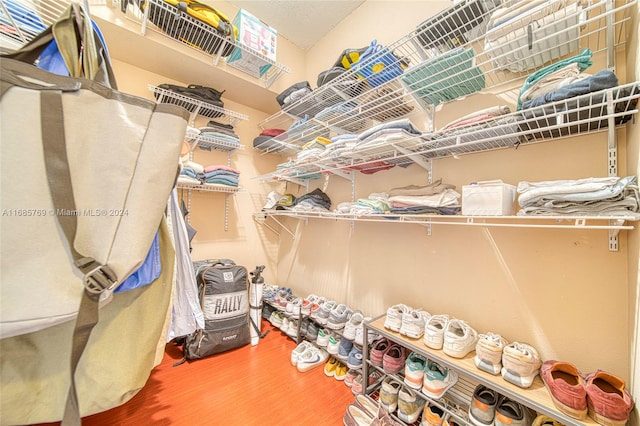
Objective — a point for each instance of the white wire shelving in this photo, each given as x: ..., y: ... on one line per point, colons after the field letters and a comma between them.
x: 208, y: 187
x: 196, y: 107
x: 162, y: 17
x: 441, y: 63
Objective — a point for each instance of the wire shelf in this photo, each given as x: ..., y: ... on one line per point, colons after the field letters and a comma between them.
x: 209, y: 141
x: 195, y: 106
x: 208, y: 187
x: 580, y: 115
x: 178, y: 25
x: 453, y: 55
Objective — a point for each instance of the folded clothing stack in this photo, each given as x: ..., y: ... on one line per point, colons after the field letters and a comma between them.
x: 218, y: 131
x: 220, y: 175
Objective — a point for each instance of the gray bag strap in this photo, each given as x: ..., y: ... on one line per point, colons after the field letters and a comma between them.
x: 97, y: 277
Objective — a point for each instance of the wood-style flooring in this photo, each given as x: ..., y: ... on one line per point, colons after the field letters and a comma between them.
x: 251, y: 385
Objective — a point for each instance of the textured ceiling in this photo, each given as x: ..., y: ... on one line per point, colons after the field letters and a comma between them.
x: 303, y: 22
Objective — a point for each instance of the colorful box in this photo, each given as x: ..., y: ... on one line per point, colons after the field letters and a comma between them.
x: 261, y: 40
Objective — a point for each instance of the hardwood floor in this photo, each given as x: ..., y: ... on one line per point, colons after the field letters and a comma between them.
x: 252, y: 385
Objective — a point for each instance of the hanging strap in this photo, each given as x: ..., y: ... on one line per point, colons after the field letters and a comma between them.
x: 253, y: 323
x: 97, y: 277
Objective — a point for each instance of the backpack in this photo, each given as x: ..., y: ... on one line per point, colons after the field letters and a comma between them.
x: 223, y: 289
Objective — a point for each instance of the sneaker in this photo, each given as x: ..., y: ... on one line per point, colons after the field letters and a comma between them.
x: 294, y: 301
x: 325, y: 310
x: 286, y: 301
x: 311, y: 358
x: 512, y: 413
x: 276, y: 319
x: 355, y: 358
x: 295, y: 309
x: 315, y: 307
x: 323, y: 337
x: 414, y: 370
x: 305, y: 305
x: 432, y: 415
x: 352, y: 325
x: 543, y: 420
x: 304, y: 324
x: 459, y: 339
x: 366, y: 404
x: 340, y: 372
x: 378, y: 350
x: 295, y: 354
x: 608, y: 399
x: 284, y: 326
x: 489, y: 353
x: 312, y: 332
x: 339, y: 316
x: 374, y: 376
x: 410, y: 405
x: 344, y: 349
x: 394, y: 359
x: 330, y: 367
x: 292, y: 330
x: 359, y: 339
x: 413, y: 323
x: 334, y: 343
x: 520, y: 364
x: 356, y: 386
x: 434, y: 331
x: 389, y: 394
x: 355, y: 416
x: 566, y: 388
x: 438, y: 380
x: 482, y: 409
x: 393, y: 321
x: 350, y: 376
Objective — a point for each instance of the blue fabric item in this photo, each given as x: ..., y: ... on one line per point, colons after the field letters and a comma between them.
x: 221, y: 173
x: 25, y: 18
x: 222, y: 181
x: 51, y: 60
x: 189, y: 172
x: 604, y: 79
x: 378, y: 65
x: 148, y: 272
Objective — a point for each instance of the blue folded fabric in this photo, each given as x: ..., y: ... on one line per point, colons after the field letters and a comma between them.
x: 148, y: 272
x: 604, y: 79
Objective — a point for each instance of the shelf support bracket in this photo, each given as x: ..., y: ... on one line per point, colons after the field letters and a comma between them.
x: 613, y: 234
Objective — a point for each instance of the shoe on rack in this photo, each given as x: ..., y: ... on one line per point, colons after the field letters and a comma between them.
x: 389, y: 394
x: 566, y: 388
x: 305, y: 305
x: 350, y: 328
x: 312, y: 332
x: 355, y: 358
x: 357, y: 385
x: 355, y: 416
x: 410, y: 405
x: 315, y: 307
x: 459, y: 339
x: 414, y: 370
x: 512, y: 413
x: 378, y: 350
x: 434, y: 330
x: 334, y: 344
x: 276, y: 319
x: 339, y: 316
x: 350, y: 376
x: 413, y: 323
x: 291, y: 303
x: 489, y: 352
x: 359, y: 339
x: 340, y: 372
x: 482, y: 410
x: 323, y: 337
x: 543, y: 420
x: 295, y: 354
x: 311, y: 358
x: 393, y: 321
x: 324, y: 311
x: 344, y: 349
x: 366, y: 404
x: 438, y: 380
x: 520, y: 364
x: 432, y: 415
x: 292, y: 330
x: 330, y: 367
x: 394, y: 359
x: 608, y: 399
x: 285, y: 324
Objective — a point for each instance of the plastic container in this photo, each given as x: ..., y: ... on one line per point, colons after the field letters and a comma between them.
x: 488, y: 198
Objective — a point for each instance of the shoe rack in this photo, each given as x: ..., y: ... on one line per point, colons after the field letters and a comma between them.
x: 535, y: 397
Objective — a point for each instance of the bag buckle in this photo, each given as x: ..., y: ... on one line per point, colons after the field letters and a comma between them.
x: 99, y: 279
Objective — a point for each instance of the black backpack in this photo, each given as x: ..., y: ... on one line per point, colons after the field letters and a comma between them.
x: 207, y: 95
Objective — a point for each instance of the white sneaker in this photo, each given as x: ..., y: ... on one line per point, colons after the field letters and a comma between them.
x: 305, y: 305
x: 311, y: 358
x: 324, y: 311
x: 323, y: 337
x: 285, y: 325
x: 333, y: 345
x: 413, y: 323
x: 438, y: 380
x: 434, y: 331
x: 489, y: 352
x: 295, y: 354
x: 459, y: 339
x: 359, y: 339
x: 350, y: 328
x: 393, y: 320
x: 521, y: 364
x: 292, y: 330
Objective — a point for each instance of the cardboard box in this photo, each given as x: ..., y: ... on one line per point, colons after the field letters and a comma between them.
x: 259, y: 38
x: 490, y: 198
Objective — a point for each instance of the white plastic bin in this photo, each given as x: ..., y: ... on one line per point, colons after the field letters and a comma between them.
x: 489, y: 198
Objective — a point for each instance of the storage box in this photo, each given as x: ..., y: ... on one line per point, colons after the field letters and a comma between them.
x: 490, y: 198
x: 260, y: 38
